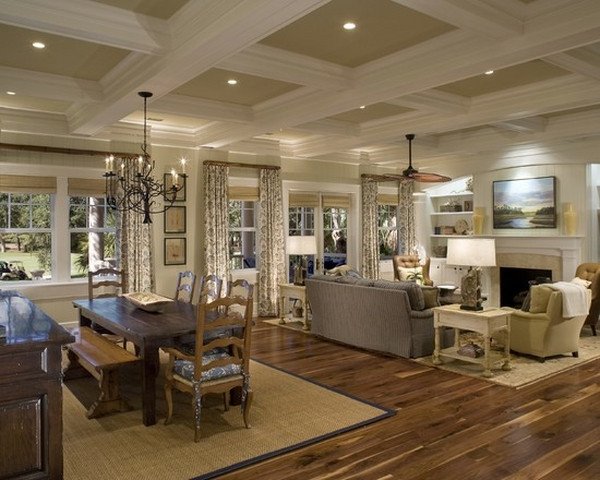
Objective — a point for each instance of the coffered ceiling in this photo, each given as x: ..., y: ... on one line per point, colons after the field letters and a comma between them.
x: 301, y: 79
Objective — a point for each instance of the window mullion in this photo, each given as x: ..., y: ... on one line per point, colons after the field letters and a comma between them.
x: 61, y: 239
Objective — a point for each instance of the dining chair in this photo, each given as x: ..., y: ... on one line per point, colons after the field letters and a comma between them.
x: 186, y: 281
x: 210, y: 288
x: 239, y: 288
x: 220, y: 364
x: 103, y: 283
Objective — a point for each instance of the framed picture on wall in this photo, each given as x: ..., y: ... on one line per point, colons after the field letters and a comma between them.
x: 180, y: 197
x: 175, y: 220
x: 525, y: 203
x: 175, y: 253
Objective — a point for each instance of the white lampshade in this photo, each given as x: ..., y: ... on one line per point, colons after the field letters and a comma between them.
x: 301, y: 245
x: 475, y: 252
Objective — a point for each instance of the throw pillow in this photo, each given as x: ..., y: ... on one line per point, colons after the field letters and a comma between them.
x: 582, y: 282
x: 540, y: 296
x: 431, y: 296
x: 414, y: 274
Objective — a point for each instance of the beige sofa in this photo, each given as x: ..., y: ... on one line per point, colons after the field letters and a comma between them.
x: 547, y: 333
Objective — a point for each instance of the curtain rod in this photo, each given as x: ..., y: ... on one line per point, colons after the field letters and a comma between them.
x: 66, y: 151
x: 242, y: 165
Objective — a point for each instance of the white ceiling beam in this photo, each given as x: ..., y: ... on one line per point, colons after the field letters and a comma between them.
x: 204, y: 34
x: 47, y: 85
x: 201, y: 108
x: 575, y: 65
x: 444, y: 59
x: 433, y: 101
x: 469, y: 15
x: 270, y: 62
x: 523, y: 125
x: 89, y: 21
x: 562, y: 93
x: 39, y: 123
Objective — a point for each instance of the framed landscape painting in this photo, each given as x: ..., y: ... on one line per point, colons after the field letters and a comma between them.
x: 525, y: 203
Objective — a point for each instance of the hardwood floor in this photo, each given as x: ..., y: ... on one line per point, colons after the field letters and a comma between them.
x: 447, y: 426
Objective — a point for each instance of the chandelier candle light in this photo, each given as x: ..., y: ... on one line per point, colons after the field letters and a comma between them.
x: 130, y: 182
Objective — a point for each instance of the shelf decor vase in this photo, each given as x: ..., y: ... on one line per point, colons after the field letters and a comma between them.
x: 478, y: 220
x: 570, y: 219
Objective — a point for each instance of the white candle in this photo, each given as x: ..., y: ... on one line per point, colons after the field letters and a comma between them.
x: 173, y: 177
x: 112, y: 162
x: 183, y: 162
x: 107, y: 164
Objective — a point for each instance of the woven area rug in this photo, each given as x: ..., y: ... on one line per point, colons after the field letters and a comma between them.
x: 525, y: 370
x: 288, y: 412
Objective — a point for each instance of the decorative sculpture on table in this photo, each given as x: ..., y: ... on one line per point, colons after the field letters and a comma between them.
x: 476, y: 253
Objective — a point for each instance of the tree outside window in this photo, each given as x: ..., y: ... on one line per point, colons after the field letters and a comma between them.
x: 387, y: 230
x: 335, y: 235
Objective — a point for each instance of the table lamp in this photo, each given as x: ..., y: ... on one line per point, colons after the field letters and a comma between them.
x: 302, y: 245
x: 475, y: 253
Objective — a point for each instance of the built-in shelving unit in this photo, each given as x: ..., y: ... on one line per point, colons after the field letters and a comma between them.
x: 451, y: 215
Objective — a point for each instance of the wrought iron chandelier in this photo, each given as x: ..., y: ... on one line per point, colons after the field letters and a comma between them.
x: 131, y: 186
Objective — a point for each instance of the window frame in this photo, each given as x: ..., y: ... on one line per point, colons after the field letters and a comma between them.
x: 380, y: 229
x: 254, y: 229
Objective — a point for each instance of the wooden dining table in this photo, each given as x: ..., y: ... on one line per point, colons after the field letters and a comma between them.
x: 149, y: 331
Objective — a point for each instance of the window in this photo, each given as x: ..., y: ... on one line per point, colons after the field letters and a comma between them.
x: 387, y: 230
x: 92, y: 234
x: 25, y: 235
x: 242, y: 234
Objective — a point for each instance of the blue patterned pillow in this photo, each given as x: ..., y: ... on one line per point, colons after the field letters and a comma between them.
x: 185, y: 368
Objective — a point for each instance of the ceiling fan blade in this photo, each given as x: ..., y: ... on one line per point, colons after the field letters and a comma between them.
x: 429, y: 177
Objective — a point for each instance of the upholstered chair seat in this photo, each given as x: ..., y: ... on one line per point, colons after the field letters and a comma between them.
x: 185, y: 368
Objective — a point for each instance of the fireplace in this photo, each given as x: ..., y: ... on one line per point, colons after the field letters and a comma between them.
x: 559, y: 254
x: 515, y: 283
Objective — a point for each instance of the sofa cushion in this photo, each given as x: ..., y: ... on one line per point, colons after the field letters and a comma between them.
x: 540, y: 296
x: 346, y: 279
x: 415, y: 295
x: 431, y: 296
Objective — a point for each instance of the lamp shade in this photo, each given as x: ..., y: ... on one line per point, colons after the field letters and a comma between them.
x: 475, y: 252
x: 302, y: 245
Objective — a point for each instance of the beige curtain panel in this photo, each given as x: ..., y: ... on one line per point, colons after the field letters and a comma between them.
x: 137, y: 262
x: 216, y: 222
x: 370, y: 240
x: 272, y: 243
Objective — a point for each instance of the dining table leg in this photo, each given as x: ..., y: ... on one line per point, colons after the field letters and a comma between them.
x: 150, y: 362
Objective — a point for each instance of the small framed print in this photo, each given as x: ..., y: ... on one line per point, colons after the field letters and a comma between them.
x: 180, y: 197
x: 175, y: 220
x: 175, y: 253
x: 468, y: 206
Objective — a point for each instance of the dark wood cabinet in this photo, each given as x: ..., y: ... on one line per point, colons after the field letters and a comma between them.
x: 30, y: 390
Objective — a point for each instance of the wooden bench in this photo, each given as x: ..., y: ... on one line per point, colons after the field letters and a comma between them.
x: 102, y: 359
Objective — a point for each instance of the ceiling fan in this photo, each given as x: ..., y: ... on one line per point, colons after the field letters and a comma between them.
x: 413, y: 174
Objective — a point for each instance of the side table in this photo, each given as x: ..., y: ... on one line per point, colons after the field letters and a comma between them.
x: 485, y: 322
x: 296, y: 292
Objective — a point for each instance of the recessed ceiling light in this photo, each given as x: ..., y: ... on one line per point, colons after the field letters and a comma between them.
x: 232, y: 81
x: 349, y: 26
x: 362, y: 107
x: 489, y: 72
x: 38, y: 45
x: 10, y: 93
